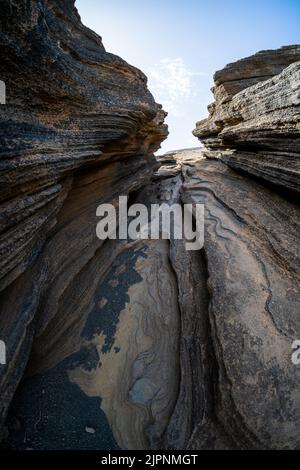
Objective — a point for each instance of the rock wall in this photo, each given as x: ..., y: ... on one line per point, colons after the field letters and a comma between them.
x: 253, y: 125
x: 252, y: 250
x: 252, y: 255
x: 79, y: 128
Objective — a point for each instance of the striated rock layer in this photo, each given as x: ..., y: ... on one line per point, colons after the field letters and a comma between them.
x: 79, y: 128
x: 252, y: 249
x: 156, y: 347
x: 140, y: 344
x: 253, y: 125
x: 253, y: 264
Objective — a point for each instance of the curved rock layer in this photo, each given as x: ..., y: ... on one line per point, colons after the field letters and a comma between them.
x: 140, y: 344
x: 253, y: 125
x: 157, y: 347
x: 252, y: 254
x: 79, y: 127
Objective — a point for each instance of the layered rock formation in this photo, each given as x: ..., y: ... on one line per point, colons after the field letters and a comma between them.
x: 140, y: 344
x: 79, y: 128
x: 156, y: 347
x: 252, y: 255
x: 252, y: 248
x: 256, y: 116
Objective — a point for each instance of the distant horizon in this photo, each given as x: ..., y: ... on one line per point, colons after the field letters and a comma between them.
x: 180, y: 45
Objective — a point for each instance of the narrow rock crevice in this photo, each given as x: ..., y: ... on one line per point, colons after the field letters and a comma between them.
x: 142, y: 344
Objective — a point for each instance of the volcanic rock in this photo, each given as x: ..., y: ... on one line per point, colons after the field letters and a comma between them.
x: 79, y: 128
x: 253, y: 125
x: 141, y: 344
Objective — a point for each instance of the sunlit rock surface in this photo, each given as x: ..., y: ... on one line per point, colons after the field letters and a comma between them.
x: 253, y: 125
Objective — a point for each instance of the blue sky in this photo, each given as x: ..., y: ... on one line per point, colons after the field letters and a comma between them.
x: 179, y: 44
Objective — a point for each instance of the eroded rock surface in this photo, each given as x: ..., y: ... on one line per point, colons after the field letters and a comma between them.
x: 252, y: 249
x: 79, y: 128
x: 165, y: 348
x: 141, y: 344
x: 253, y: 125
x: 252, y: 254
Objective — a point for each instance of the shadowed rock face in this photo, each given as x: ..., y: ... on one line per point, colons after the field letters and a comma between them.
x: 256, y: 116
x: 79, y: 128
x: 70, y: 106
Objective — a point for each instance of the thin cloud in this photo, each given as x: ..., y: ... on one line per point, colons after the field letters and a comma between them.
x: 172, y: 83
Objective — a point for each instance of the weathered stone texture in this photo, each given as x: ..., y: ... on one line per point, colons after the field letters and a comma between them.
x: 79, y: 128
x: 254, y: 123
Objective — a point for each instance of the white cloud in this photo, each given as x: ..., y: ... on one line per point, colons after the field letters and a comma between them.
x: 172, y: 83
